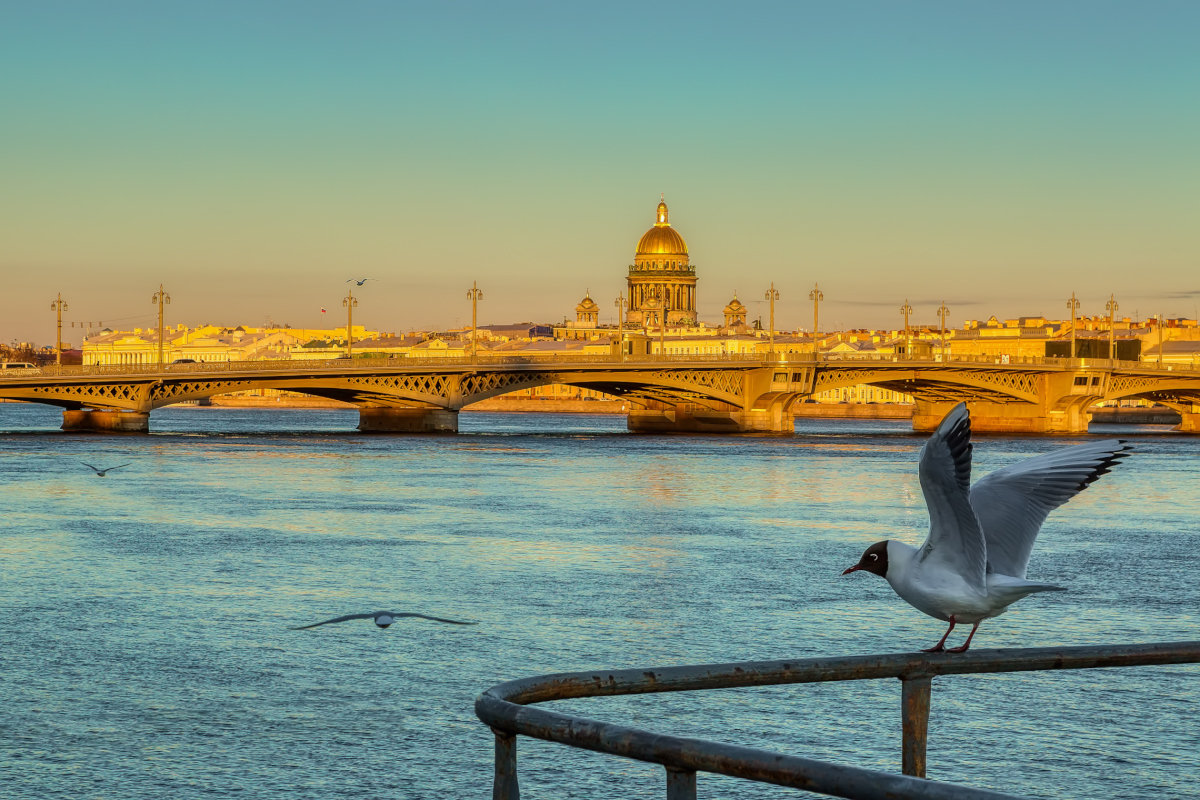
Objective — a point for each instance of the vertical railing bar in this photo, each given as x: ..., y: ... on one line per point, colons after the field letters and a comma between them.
x: 914, y: 709
x: 504, y: 785
x: 681, y: 784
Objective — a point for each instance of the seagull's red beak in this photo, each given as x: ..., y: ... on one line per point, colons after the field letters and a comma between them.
x: 855, y: 568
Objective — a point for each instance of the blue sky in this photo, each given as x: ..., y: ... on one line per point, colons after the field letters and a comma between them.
x: 252, y: 156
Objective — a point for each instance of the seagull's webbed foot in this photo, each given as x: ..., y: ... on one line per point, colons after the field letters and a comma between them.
x: 937, y: 648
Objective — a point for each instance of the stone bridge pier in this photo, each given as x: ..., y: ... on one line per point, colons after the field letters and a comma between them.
x: 683, y: 419
x: 991, y: 417
x: 104, y: 420
x: 383, y: 419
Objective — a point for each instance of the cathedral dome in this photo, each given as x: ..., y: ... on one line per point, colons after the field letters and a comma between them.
x: 586, y: 304
x: 662, y: 239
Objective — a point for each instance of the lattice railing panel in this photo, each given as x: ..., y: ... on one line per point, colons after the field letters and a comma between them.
x: 429, y: 385
x: 121, y: 394
x: 165, y: 393
x: 726, y: 382
x: 492, y: 383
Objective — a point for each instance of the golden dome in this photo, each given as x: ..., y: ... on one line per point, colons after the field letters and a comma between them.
x: 587, y: 304
x: 662, y: 239
x: 735, y: 306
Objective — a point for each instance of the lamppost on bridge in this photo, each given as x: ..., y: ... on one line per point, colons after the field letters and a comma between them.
x: 621, y: 303
x: 906, y: 309
x: 475, y: 294
x: 1073, y: 310
x: 771, y: 296
x: 942, y: 312
x: 350, y: 302
x: 816, y: 295
x: 1158, y: 321
x: 1111, y: 306
x: 60, y: 306
x: 162, y: 298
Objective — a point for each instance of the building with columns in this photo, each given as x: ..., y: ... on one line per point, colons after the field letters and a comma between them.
x: 661, y: 278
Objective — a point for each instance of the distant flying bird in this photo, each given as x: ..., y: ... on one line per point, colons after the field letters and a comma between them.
x: 359, y: 281
x: 382, y: 619
x: 972, y: 565
x: 106, y: 470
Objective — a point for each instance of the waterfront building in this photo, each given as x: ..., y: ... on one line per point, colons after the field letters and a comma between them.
x: 212, y: 343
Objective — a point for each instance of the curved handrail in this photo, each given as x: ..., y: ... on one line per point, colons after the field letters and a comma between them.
x: 505, y: 708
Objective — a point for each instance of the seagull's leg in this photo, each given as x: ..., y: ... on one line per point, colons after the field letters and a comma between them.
x: 940, y: 646
x: 963, y: 647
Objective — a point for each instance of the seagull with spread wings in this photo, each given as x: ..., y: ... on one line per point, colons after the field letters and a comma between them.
x: 381, y: 618
x: 106, y: 470
x: 972, y: 565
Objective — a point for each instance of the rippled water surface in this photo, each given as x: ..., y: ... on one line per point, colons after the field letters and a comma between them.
x: 147, y: 649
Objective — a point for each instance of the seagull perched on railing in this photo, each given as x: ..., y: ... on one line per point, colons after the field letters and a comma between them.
x: 382, y: 619
x: 106, y: 470
x: 359, y: 281
x: 972, y: 565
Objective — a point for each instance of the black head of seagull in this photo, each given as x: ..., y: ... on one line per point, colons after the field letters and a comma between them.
x: 874, y: 559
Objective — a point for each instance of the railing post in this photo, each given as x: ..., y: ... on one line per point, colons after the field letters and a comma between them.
x: 504, y: 785
x: 681, y: 784
x: 914, y: 707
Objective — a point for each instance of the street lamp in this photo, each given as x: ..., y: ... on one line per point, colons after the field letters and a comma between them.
x: 350, y: 302
x: 772, y: 295
x: 160, y: 297
x: 1111, y: 306
x: 1073, y: 309
x: 60, y: 306
x: 906, y: 309
x: 942, y: 312
x: 621, y: 303
x: 816, y: 295
x: 475, y: 294
x: 1158, y: 320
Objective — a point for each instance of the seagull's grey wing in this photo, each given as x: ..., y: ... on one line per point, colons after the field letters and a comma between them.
x: 94, y: 469
x: 110, y: 469
x: 1013, y: 502
x: 955, y: 541
x: 435, y: 619
x: 336, y: 619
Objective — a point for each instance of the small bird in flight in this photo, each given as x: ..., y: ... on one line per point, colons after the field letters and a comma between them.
x: 381, y: 618
x: 106, y: 470
x: 972, y: 566
x: 359, y: 281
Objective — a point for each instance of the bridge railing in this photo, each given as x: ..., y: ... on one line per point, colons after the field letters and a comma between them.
x: 505, y: 708
x: 491, y: 360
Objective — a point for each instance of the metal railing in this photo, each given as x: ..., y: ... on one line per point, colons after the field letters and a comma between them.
x: 506, y: 709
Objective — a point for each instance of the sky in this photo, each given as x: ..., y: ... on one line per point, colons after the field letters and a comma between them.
x: 253, y: 156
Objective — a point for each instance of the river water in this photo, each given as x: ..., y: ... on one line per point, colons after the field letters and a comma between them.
x: 147, y: 649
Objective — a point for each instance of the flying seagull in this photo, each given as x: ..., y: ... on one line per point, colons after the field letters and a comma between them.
x: 972, y: 565
x: 382, y: 619
x: 106, y: 470
x: 359, y: 281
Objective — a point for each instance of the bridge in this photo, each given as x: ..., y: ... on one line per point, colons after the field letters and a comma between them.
x: 674, y: 393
